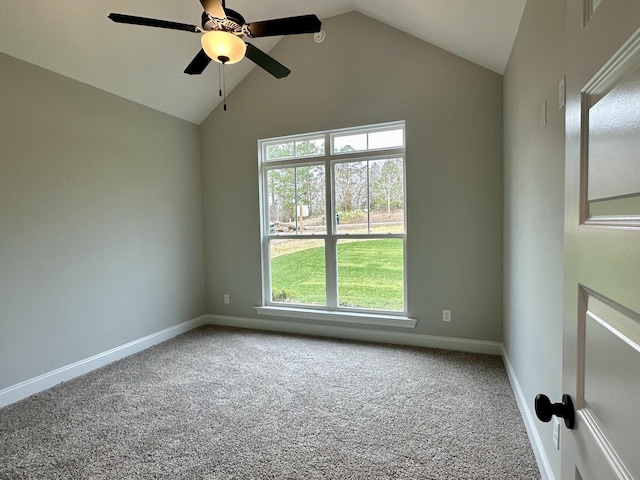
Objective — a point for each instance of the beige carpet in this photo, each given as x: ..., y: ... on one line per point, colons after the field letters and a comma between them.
x: 220, y: 403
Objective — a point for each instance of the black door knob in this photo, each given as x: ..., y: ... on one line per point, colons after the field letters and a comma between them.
x: 545, y: 409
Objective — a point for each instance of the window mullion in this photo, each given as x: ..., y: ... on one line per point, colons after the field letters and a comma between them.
x: 330, y: 245
x: 368, y: 197
x: 266, y: 263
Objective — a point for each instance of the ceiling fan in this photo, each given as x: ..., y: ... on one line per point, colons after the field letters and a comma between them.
x: 223, y: 31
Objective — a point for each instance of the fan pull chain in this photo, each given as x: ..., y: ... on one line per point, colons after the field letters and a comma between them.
x: 224, y: 88
x: 223, y: 84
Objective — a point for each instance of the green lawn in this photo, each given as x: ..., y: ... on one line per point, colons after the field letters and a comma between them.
x: 370, y: 275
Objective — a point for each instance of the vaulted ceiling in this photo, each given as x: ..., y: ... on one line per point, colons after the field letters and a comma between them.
x: 145, y: 65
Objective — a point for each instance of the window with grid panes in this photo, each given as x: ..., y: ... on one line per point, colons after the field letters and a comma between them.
x: 334, y: 220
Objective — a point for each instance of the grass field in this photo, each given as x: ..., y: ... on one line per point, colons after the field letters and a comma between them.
x: 370, y: 275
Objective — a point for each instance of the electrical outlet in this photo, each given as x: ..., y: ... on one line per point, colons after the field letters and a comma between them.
x: 446, y: 315
x: 556, y: 433
x: 226, y: 299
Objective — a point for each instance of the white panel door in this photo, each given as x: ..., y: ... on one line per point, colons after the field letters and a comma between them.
x: 601, y: 357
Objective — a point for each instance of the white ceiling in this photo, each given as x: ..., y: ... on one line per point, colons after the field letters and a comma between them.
x: 75, y: 38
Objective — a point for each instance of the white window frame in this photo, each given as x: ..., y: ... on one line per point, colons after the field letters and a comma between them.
x: 332, y: 311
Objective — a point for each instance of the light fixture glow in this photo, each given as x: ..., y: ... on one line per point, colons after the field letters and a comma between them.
x: 223, y: 47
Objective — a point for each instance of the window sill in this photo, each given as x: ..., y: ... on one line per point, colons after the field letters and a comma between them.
x: 342, y: 317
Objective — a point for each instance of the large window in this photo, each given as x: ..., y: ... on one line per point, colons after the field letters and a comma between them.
x: 333, y: 220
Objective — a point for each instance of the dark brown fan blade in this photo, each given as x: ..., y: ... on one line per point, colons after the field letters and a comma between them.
x: 285, y: 26
x: 152, y: 22
x: 263, y: 60
x: 214, y: 8
x: 198, y: 64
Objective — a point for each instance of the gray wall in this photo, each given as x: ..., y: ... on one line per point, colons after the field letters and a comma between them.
x: 100, y: 221
x: 366, y: 72
x: 534, y: 205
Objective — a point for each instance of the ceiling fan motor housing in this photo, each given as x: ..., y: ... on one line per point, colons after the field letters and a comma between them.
x: 233, y: 23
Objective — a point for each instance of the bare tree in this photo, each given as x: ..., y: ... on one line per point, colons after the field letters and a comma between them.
x: 386, y: 184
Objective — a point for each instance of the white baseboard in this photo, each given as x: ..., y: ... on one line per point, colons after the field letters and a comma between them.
x: 47, y: 380
x: 362, y: 334
x: 529, y: 422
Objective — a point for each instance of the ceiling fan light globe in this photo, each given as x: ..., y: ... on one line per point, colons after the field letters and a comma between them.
x: 223, y: 47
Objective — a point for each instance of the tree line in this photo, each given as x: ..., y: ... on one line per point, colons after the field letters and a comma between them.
x: 361, y: 185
